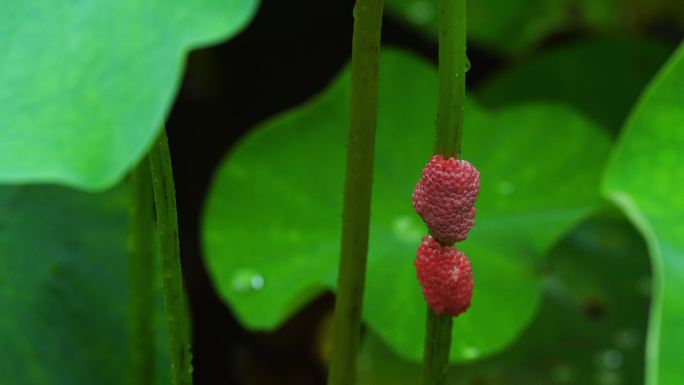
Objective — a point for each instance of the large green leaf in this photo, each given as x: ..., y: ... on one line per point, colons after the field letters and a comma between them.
x: 85, y: 85
x: 646, y: 179
x: 498, y: 24
x: 63, y: 288
x: 510, y: 26
x: 272, y: 221
x: 590, y: 328
x: 601, y: 78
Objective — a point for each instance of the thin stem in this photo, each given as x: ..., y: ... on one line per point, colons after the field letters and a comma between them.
x: 141, y: 278
x: 172, y: 279
x: 452, y: 67
x: 437, y: 344
x: 448, y: 133
x: 357, y: 191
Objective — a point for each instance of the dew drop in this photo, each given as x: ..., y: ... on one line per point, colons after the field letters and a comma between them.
x: 471, y: 352
x: 257, y: 282
x: 612, y: 359
x: 246, y: 280
x: 407, y: 229
x: 456, y: 273
x: 626, y: 339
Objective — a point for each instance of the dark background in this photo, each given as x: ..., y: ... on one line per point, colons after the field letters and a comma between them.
x: 286, y: 55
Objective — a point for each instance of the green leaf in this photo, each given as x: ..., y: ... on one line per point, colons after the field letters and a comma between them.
x: 63, y: 288
x: 645, y: 178
x: 590, y: 327
x: 496, y: 24
x: 85, y: 85
x: 601, y: 78
x: 272, y: 221
x: 512, y: 26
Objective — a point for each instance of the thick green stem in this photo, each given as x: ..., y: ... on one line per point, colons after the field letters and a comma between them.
x: 357, y: 191
x: 437, y: 344
x: 448, y: 133
x: 172, y: 279
x: 452, y: 68
x: 141, y: 278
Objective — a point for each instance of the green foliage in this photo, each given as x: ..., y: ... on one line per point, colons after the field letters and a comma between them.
x: 503, y: 25
x: 272, y: 221
x: 85, y: 86
x: 601, y: 78
x: 511, y: 26
x: 646, y: 179
x: 63, y: 288
x: 590, y: 327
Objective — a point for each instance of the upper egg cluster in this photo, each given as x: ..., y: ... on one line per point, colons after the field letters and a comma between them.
x: 445, y: 198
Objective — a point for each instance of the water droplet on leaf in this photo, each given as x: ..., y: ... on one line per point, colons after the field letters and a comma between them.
x: 612, y: 359
x: 408, y: 229
x: 626, y: 339
x: 246, y: 280
x: 471, y: 352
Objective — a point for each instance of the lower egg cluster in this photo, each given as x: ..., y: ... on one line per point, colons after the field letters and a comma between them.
x: 446, y: 277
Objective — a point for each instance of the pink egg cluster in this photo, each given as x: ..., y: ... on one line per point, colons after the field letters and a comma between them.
x: 446, y: 277
x: 445, y: 199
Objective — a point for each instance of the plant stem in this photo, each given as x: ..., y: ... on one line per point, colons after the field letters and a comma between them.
x: 172, y: 279
x: 452, y: 67
x: 437, y: 344
x: 357, y: 191
x: 448, y: 133
x: 141, y: 278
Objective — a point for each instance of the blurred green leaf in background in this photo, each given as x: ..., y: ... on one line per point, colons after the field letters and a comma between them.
x: 645, y: 178
x: 590, y: 327
x: 601, y: 78
x: 85, y: 86
x: 514, y: 27
x: 63, y: 288
x: 271, y: 224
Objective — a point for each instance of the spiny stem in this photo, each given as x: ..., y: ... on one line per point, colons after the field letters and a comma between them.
x: 448, y: 132
x: 172, y: 279
x: 141, y: 278
x: 357, y: 191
